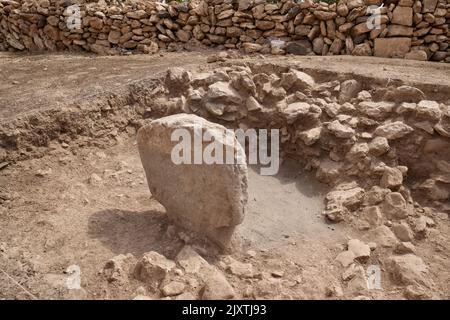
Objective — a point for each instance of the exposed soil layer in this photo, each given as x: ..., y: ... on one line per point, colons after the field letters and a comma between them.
x: 61, y: 79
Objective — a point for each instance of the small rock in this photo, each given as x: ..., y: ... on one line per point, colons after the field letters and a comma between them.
x: 375, y: 195
x: 244, y: 270
x: 403, y: 231
x: 311, y: 136
x: 373, y: 215
x: 357, y: 152
x: 185, y: 296
x: 153, y: 267
x: 43, y: 173
x: 340, y: 130
x: 348, y: 90
x: 429, y: 110
x: 119, y: 267
x: 217, y: 287
x: 393, y: 130
x: 94, y: 180
x: 394, y: 206
x: 191, y: 261
x: 416, y: 292
x: 405, y: 247
x: 408, y: 269
x: 384, y: 236
x: 351, y: 272
x: 392, y: 178
x: 379, y: 146
x: 419, y: 55
x: 173, y: 288
x: 345, y: 258
x: 360, y: 250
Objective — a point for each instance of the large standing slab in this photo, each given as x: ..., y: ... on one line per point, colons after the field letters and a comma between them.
x: 206, y: 198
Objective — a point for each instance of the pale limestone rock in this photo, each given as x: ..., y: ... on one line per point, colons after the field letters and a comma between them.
x: 153, y: 267
x: 206, y: 198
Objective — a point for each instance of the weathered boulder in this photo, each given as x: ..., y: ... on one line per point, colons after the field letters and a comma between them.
x: 207, y: 198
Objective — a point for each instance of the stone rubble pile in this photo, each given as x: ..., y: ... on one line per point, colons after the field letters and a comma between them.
x: 416, y: 30
x: 334, y: 127
x: 363, y: 147
x: 188, y: 277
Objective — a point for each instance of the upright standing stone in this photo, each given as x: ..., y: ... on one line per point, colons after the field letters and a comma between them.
x: 206, y: 198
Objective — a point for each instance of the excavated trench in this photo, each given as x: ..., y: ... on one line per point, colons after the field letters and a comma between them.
x: 88, y: 199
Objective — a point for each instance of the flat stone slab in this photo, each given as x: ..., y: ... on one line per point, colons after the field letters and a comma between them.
x: 206, y: 198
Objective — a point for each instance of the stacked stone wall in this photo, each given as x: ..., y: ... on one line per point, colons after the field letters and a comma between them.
x: 405, y: 28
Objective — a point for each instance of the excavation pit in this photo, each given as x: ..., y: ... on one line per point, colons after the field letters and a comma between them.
x: 73, y: 190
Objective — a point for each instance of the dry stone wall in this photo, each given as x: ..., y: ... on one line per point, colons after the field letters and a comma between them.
x: 414, y: 29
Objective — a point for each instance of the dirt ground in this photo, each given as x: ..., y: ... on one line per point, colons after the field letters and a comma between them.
x: 83, y: 204
x: 84, y: 208
x: 31, y: 82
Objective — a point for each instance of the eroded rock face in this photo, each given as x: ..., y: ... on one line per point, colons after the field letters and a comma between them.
x: 206, y: 198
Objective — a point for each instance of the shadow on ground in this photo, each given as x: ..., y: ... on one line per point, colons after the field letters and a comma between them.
x: 124, y: 231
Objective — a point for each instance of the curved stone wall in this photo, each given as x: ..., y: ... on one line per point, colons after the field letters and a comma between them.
x: 397, y: 28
